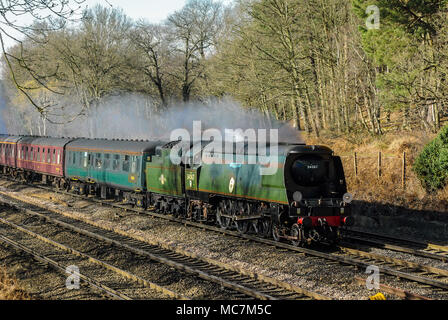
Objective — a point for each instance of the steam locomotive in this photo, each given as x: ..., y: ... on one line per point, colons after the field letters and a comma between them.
x: 304, y: 202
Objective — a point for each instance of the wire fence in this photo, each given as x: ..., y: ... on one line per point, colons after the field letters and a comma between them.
x: 376, y: 165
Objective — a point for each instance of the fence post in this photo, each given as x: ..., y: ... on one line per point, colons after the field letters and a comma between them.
x: 379, y: 164
x: 403, y: 176
x: 355, y: 164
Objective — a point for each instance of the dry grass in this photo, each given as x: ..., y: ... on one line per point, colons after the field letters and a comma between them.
x: 9, y: 288
x: 388, y: 189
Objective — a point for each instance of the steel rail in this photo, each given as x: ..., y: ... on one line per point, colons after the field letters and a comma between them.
x: 327, y: 256
x: 422, y: 249
x: 58, y: 267
x: 406, y: 295
x: 95, y: 261
x: 250, y: 284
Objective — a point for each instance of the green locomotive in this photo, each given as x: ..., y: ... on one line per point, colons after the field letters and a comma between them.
x: 303, y: 201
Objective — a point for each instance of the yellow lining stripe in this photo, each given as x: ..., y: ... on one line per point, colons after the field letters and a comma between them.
x: 105, y: 151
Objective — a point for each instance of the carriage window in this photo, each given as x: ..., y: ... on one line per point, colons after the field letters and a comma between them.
x: 98, y: 161
x: 85, y: 160
x: 116, y: 162
x: 59, y: 156
x: 54, y: 156
x: 106, y: 161
x: 126, y: 163
x: 48, y: 155
x: 134, y: 164
x: 73, y: 158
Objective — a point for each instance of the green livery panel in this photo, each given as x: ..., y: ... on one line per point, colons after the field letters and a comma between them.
x: 243, y: 181
x: 162, y: 176
x: 233, y: 179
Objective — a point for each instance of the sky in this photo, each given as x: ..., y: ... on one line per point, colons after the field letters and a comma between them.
x: 152, y: 10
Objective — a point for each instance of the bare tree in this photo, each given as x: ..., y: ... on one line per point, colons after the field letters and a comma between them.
x: 50, y: 15
x: 193, y: 30
x: 153, y: 53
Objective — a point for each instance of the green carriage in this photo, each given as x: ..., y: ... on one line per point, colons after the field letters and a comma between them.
x: 109, y: 167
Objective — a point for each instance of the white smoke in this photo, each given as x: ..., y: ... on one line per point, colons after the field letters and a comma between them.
x: 136, y: 117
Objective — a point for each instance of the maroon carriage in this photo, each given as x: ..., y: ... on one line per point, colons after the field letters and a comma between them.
x: 8, y: 152
x: 41, y: 158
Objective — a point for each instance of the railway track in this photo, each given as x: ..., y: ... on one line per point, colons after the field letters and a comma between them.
x: 426, y: 276
x: 402, y: 294
x: 416, y: 248
x: 60, y: 256
x: 240, y: 283
x: 60, y: 268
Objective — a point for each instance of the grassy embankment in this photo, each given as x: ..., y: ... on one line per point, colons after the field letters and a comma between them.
x: 9, y: 287
x: 387, y: 189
